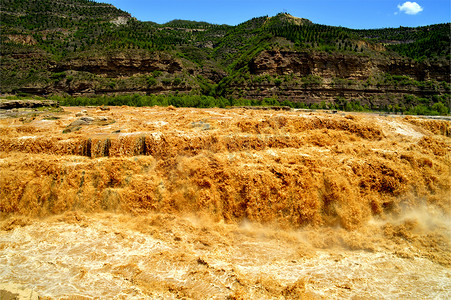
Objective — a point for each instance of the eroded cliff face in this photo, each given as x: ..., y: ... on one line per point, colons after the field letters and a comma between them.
x: 356, y: 67
x: 339, y: 76
x: 120, y: 64
x: 115, y: 72
x: 312, y: 77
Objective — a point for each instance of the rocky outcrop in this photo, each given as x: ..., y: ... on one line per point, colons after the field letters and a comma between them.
x: 372, y: 96
x: 10, y: 104
x: 120, y: 63
x: 347, y: 66
x: 340, y: 76
x: 314, y: 77
x: 22, y: 39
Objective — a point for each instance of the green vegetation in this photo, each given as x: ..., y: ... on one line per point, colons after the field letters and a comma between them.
x: 411, y: 106
x: 148, y: 100
x: 50, y: 14
x: 321, y: 37
x: 420, y: 43
x: 196, y: 101
x: 38, y: 37
x: 61, y: 28
x: 311, y: 81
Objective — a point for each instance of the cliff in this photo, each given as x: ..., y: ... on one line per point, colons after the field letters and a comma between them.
x: 121, y: 63
x: 357, y: 67
x: 102, y: 50
x: 313, y: 77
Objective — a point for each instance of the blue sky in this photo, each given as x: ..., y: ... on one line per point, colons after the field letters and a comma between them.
x: 347, y: 13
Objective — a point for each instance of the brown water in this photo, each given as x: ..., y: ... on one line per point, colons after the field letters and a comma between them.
x: 226, y: 204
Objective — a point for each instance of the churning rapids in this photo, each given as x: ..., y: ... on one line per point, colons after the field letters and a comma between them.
x: 169, y: 203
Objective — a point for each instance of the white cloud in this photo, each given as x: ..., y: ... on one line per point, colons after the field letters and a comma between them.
x: 410, y: 8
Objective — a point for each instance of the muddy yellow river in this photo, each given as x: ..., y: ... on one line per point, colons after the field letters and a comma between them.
x: 181, y: 203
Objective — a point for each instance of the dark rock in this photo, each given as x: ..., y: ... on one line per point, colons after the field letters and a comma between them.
x: 82, y: 121
x: 11, y: 104
x: 71, y: 129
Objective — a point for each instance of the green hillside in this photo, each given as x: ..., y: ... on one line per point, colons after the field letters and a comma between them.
x: 425, y: 42
x: 42, y: 40
x: 64, y: 27
x: 52, y: 14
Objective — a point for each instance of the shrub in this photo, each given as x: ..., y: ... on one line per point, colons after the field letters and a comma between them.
x: 311, y: 80
x: 151, y: 81
x: 278, y: 81
x: 177, y: 81
x: 166, y: 81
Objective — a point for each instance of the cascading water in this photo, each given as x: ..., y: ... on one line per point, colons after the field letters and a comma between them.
x: 226, y: 204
